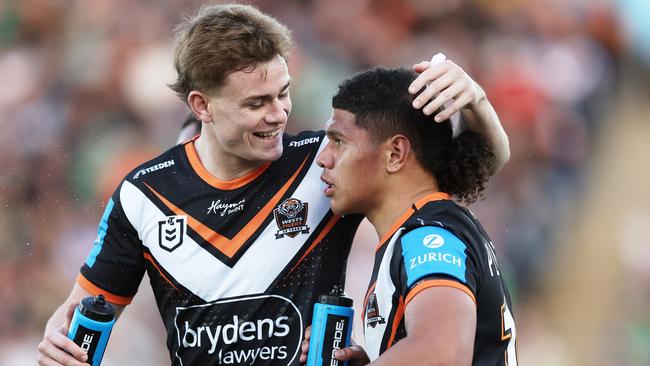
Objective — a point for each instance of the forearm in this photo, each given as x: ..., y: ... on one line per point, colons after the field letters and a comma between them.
x: 481, y: 118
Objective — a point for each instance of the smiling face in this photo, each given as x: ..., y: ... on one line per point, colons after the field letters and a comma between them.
x: 353, y: 167
x: 249, y: 114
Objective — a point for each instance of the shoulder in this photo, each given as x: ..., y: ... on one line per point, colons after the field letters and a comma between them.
x: 429, y: 250
x: 167, y: 160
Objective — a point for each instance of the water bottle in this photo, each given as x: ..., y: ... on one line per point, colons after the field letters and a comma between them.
x: 331, y: 328
x: 91, y: 326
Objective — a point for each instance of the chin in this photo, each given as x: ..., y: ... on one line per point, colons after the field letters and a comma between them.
x: 271, y: 154
x: 338, y: 208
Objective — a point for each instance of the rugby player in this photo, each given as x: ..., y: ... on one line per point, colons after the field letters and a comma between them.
x: 231, y: 226
x: 436, y: 296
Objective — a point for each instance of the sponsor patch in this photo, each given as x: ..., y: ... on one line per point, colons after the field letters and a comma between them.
x: 291, y: 217
x: 225, y: 208
x: 243, y: 331
x: 153, y: 168
x: 306, y: 141
x: 432, y: 250
x: 372, y: 312
x: 171, y: 232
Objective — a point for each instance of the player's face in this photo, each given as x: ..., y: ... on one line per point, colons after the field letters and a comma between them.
x: 249, y: 114
x: 352, y: 166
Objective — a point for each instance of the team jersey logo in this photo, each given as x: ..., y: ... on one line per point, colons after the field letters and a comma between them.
x: 372, y: 312
x: 433, y: 241
x: 291, y: 216
x: 243, y: 331
x: 171, y: 232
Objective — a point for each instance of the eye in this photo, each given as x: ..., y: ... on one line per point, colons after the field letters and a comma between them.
x: 258, y: 103
x: 338, y: 142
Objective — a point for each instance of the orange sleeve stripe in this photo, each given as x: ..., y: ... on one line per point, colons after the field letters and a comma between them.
x: 432, y: 283
x: 399, y: 314
x: 94, y: 290
x: 148, y: 257
x: 320, y: 237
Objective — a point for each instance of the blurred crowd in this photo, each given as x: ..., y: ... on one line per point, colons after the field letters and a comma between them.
x: 84, y: 100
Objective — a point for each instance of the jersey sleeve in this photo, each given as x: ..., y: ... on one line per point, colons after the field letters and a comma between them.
x: 115, y: 265
x: 433, y: 256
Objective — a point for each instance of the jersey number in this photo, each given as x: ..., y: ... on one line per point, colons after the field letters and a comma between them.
x: 509, y: 334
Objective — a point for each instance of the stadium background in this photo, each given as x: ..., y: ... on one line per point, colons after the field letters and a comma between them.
x: 83, y: 100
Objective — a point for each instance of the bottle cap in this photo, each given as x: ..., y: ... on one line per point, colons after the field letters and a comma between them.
x: 96, y: 308
x: 335, y: 297
x: 335, y: 300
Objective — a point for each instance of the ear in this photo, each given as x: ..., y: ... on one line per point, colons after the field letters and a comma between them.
x: 198, y: 102
x: 397, y: 150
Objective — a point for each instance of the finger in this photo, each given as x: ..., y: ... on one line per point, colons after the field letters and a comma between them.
x: 304, y: 347
x: 62, y: 343
x: 448, y: 95
x: 427, y: 76
x: 421, y: 66
x: 308, y: 332
x: 432, y: 90
x: 56, y: 356
x: 44, y: 360
x: 462, y: 100
x: 350, y: 353
x: 68, y: 315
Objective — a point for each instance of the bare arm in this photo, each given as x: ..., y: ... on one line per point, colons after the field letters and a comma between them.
x: 449, y: 87
x: 441, y: 324
x: 56, y: 348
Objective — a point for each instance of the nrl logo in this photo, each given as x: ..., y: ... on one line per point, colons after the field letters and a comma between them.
x: 291, y: 216
x: 372, y: 312
x: 171, y: 232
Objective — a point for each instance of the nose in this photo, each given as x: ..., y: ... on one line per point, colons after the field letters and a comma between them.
x: 278, y: 112
x: 324, y: 159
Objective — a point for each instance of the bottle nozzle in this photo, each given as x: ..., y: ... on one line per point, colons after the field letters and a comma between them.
x: 99, y: 300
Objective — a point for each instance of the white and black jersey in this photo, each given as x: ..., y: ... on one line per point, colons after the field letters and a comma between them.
x: 235, y: 266
x: 439, y: 243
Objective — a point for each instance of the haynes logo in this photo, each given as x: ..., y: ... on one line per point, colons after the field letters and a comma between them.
x: 257, y: 330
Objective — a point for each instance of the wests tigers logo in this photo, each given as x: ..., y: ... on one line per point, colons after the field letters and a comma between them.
x: 372, y: 312
x: 291, y: 216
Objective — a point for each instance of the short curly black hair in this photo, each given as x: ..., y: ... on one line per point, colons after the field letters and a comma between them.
x: 381, y: 103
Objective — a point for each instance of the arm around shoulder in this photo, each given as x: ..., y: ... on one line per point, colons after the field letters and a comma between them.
x: 480, y: 117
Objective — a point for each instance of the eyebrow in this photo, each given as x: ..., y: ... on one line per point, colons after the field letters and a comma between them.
x: 266, y: 96
x: 332, y: 134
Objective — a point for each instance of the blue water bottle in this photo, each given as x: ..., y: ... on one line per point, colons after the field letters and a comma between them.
x: 331, y: 328
x: 91, y: 326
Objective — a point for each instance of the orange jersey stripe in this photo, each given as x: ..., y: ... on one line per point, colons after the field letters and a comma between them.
x: 94, y: 290
x: 399, y: 314
x: 320, y: 237
x: 195, y: 162
x: 229, y: 247
x: 148, y: 257
x: 421, y: 202
x: 437, y: 282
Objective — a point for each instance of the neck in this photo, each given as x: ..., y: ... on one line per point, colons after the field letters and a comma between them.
x: 400, y: 193
x: 218, y: 163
